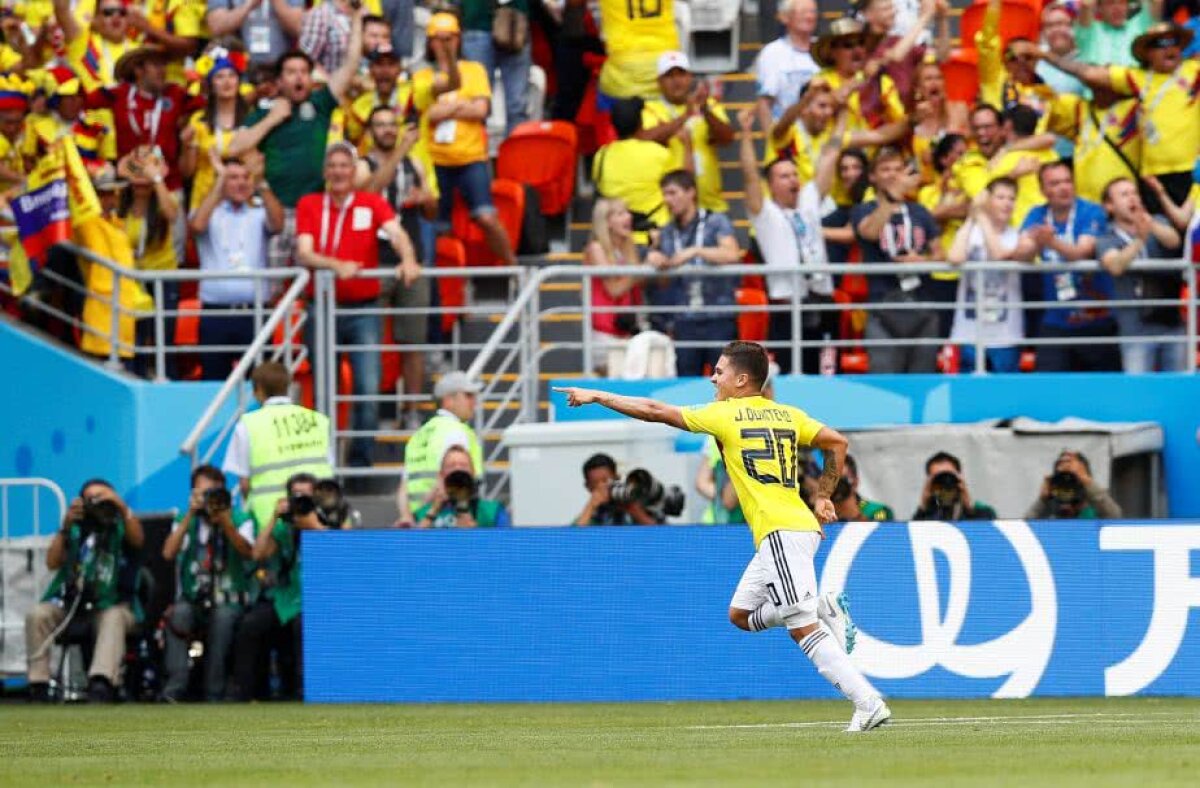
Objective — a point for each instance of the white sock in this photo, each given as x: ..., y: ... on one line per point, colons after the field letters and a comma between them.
x: 765, y: 616
x: 836, y: 668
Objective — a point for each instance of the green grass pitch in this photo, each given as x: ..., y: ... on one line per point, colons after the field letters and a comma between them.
x: 1092, y: 742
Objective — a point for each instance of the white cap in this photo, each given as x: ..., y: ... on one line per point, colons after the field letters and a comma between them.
x: 670, y: 60
x: 454, y: 383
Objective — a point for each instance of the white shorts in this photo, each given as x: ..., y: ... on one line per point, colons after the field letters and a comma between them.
x: 782, y: 572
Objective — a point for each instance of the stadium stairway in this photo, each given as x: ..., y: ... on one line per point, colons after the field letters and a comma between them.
x: 564, y: 323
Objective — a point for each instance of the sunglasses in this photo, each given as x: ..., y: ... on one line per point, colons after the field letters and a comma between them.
x: 1166, y: 42
x: 111, y: 12
x: 849, y: 43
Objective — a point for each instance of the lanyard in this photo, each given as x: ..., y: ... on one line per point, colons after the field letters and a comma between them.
x: 891, y: 243
x: 1162, y: 92
x: 1069, y: 234
x: 697, y: 239
x: 155, y: 116
x: 326, y: 210
x: 1128, y: 239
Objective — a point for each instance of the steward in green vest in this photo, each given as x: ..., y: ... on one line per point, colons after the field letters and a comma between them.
x: 455, y: 393
x: 275, y: 442
x: 211, y: 546
x: 716, y: 513
x: 97, y: 555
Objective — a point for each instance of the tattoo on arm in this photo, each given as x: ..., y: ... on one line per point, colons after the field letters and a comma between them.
x: 829, y: 476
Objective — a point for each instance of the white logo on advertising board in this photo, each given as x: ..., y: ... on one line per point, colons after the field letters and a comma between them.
x: 1021, y: 654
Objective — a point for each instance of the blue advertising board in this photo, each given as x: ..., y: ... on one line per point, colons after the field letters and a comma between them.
x: 1006, y: 609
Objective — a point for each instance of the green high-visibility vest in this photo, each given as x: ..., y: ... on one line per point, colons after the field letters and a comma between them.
x: 423, y: 455
x: 284, y: 440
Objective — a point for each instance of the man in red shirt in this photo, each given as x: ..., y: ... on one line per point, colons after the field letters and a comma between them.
x: 338, y: 230
x: 148, y: 111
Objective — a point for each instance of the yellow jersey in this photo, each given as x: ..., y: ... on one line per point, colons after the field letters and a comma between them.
x: 760, y: 440
x: 453, y: 143
x: 1029, y: 189
x: 1096, y: 163
x: 635, y: 33
x: 631, y: 170
x: 707, y: 165
x: 803, y: 148
x: 1170, y: 125
x: 995, y: 87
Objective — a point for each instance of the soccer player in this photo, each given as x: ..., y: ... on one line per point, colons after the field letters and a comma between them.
x: 760, y: 442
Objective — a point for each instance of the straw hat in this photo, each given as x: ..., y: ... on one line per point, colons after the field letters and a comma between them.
x: 1162, y: 31
x: 841, y: 29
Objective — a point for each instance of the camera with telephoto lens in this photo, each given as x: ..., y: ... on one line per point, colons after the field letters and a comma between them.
x: 332, y: 508
x: 1066, y: 493
x: 100, y: 514
x: 945, y: 490
x: 217, y: 499
x: 299, y: 505
x: 461, y: 490
x: 639, y: 486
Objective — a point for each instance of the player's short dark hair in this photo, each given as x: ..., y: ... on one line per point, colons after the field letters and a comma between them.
x: 1023, y: 119
x: 599, y: 460
x: 210, y: 472
x: 750, y: 358
x: 943, y: 456
x: 627, y: 117
x: 1050, y: 165
x: 679, y: 178
x: 272, y: 378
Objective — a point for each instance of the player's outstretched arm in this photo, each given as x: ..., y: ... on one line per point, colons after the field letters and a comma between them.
x: 833, y: 446
x: 641, y: 408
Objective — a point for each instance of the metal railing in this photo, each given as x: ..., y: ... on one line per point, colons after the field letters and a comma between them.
x: 41, y: 524
x: 161, y: 343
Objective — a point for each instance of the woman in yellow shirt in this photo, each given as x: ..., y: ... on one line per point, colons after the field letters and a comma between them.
x: 148, y: 211
x: 214, y: 126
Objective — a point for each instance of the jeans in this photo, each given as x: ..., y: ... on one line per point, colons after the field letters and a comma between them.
x: 1141, y: 357
x: 1078, y: 358
x: 356, y: 330
x: 236, y: 330
x: 690, y: 361
x: 902, y: 357
x: 514, y: 73
x: 187, y: 618
x: 997, y: 359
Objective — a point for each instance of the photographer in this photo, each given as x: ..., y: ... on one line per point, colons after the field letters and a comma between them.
x: 1070, y: 493
x: 599, y: 474
x: 96, y: 558
x: 275, y: 615
x: 211, y: 546
x: 945, y: 496
x: 455, y: 501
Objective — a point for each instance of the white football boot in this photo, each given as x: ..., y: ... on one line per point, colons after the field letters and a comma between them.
x: 834, y: 610
x: 863, y: 721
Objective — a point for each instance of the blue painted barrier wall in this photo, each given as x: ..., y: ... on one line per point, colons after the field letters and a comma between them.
x: 612, y: 614
x: 850, y: 402
x: 69, y: 419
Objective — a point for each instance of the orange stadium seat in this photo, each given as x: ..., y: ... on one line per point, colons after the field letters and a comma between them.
x: 1018, y: 19
x: 509, y: 197
x: 542, y: 154
x: 961, y: 72
x: 752, y: 323
x: 187, y: 332
x: 452, y: 290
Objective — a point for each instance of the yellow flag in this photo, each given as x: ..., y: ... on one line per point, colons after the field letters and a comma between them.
x: 85, y: 205
x: 20, y: 276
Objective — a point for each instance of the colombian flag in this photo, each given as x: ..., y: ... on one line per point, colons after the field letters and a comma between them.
x: 58, y: 196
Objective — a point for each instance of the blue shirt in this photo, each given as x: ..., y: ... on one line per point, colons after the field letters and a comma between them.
x: 1087, y: 218
x: 696, y: 292
x: 236, y: 239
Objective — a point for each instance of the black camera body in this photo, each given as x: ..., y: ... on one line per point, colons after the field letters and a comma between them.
x: 217, y: 499
x: 1067, y: 494
x: 462, y: 490
x: 640, y: 487
x: 100, y: 514
x: 945, y: 489
x: 332, y: 508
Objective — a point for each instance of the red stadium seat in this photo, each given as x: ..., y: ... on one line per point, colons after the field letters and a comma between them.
x: 1018, y: 19
x: 961, y: 73
x: 187, y: 332
x: 542, y: 154
x: 509, y: 198
x: 752, y: 322
x: 452, y: 290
